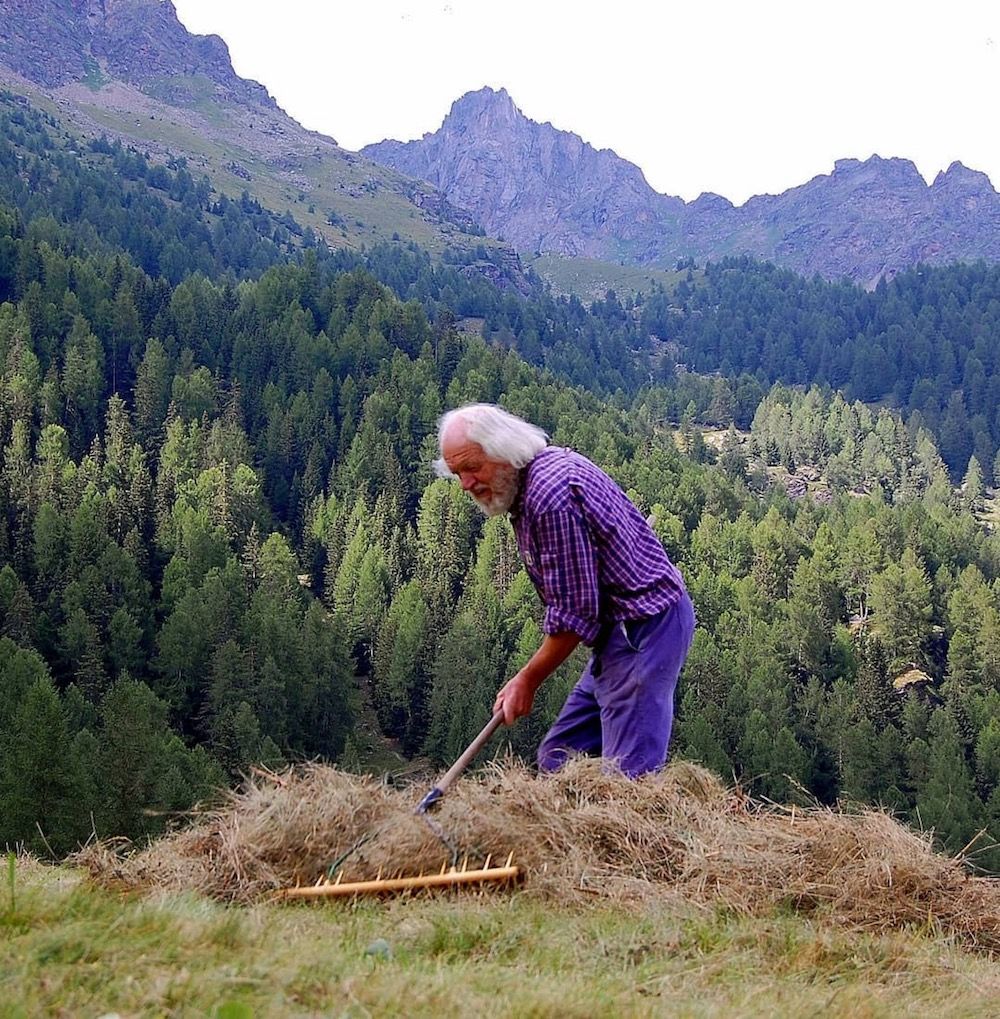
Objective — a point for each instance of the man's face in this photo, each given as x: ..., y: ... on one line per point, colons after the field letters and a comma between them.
x: 492, y: 483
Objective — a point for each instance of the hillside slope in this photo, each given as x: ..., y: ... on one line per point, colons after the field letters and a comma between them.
x: 131, y: 70
x: 672, y: 895
x: 70, y: 949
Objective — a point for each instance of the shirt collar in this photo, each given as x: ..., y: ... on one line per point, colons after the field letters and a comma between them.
x: 517, y: 506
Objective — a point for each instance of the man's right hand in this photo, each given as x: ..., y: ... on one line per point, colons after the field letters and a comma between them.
x: 515, y: 698
x: 517, y: 695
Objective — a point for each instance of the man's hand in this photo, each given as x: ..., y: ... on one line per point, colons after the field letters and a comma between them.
x: 518, y: 694
x: 515, y: 698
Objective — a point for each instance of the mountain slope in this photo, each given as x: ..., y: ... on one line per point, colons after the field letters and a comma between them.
x: 56, y: 43
x: 547, y: 190
x: 131, y: 70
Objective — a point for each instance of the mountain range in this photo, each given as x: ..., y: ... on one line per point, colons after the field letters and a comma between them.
x: 544, y: 189
x: 131, y: 70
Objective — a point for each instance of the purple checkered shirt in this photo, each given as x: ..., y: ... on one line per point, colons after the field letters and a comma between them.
x: 590, y: 554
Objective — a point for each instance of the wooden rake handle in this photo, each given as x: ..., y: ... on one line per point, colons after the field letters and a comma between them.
x: 471, y: 751
x: 462, y: 763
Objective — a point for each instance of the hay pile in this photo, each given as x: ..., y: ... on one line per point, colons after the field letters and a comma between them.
x: 576, y: 834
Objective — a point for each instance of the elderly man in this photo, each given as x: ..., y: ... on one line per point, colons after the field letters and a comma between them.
x: 603, y: 576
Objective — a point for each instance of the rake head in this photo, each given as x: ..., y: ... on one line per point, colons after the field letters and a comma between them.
x: 447, y: 877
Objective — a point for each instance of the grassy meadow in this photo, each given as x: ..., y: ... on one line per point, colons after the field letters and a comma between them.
x: 71, y: 949
x: 591, y: 279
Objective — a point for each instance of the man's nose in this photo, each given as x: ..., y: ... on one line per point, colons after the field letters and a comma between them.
x: 468, y: 481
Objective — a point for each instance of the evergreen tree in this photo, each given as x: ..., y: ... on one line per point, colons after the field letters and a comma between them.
x: 463, y: 689
x: 947, y: 800
x: 400, y: 677
x: 41, y: 783
x: 973, y: 486
x: 877, y: 700
x: 901, y: 601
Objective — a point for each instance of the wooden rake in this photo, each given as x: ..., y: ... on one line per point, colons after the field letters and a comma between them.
x: 449, y: 876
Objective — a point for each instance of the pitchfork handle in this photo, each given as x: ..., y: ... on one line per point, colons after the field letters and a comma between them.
x: 473, y: 748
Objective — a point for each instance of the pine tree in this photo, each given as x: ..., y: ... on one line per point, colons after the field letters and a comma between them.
x: 371, y: 598
x: 464, y: 687
x: 877, y: 699
x: 988, y: 758
x: 947, y: 800
x: 125, y: 649
x: 135, y: 757
x: 152, y: 391
x: 988, y: 648
x: 773, y: 761
x: 901, y: 600
x: 695, y: 737
x: 973, y: 486
x: 400, y: 680
x: 40, y: 782
x: 732, y: 459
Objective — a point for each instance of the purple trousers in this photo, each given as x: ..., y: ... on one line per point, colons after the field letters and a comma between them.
x: 622, y: 708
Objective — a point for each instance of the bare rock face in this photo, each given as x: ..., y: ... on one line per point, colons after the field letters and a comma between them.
x: 56, y: 42
x: 540, y: 188
x: 142, y: 41
x: 41, y: 40
x: 868, y: 220
x: 547, y: 190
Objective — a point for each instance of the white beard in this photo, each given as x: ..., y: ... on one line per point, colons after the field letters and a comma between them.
x: 503, y: 494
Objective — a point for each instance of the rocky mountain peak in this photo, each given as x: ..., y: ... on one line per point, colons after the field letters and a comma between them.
x: 709, y: 201
x: 55, y: 43
x: 959, y: 175
x: 496, y: 104
x: 901, y: 171
x: 527, y: 182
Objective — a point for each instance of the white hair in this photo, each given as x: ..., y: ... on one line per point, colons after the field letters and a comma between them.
x: 503, y: 436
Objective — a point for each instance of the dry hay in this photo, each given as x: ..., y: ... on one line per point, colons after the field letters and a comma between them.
x: 579, y: 833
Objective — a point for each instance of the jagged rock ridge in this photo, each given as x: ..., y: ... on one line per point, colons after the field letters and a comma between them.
x: 547, y: 190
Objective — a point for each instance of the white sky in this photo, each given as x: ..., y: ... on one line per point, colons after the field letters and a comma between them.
x: 739, y: 97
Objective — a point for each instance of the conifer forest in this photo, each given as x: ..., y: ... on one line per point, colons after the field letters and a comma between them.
x: 221, y: 539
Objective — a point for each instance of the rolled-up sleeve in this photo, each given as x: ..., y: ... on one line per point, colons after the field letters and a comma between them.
x: 568, y: 568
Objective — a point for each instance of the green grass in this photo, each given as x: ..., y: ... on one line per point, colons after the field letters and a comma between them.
x: 200, y: 92
x: 93, y: 79
x: 590, y: 279
x: 67, y: 949
x: 333, y: 184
